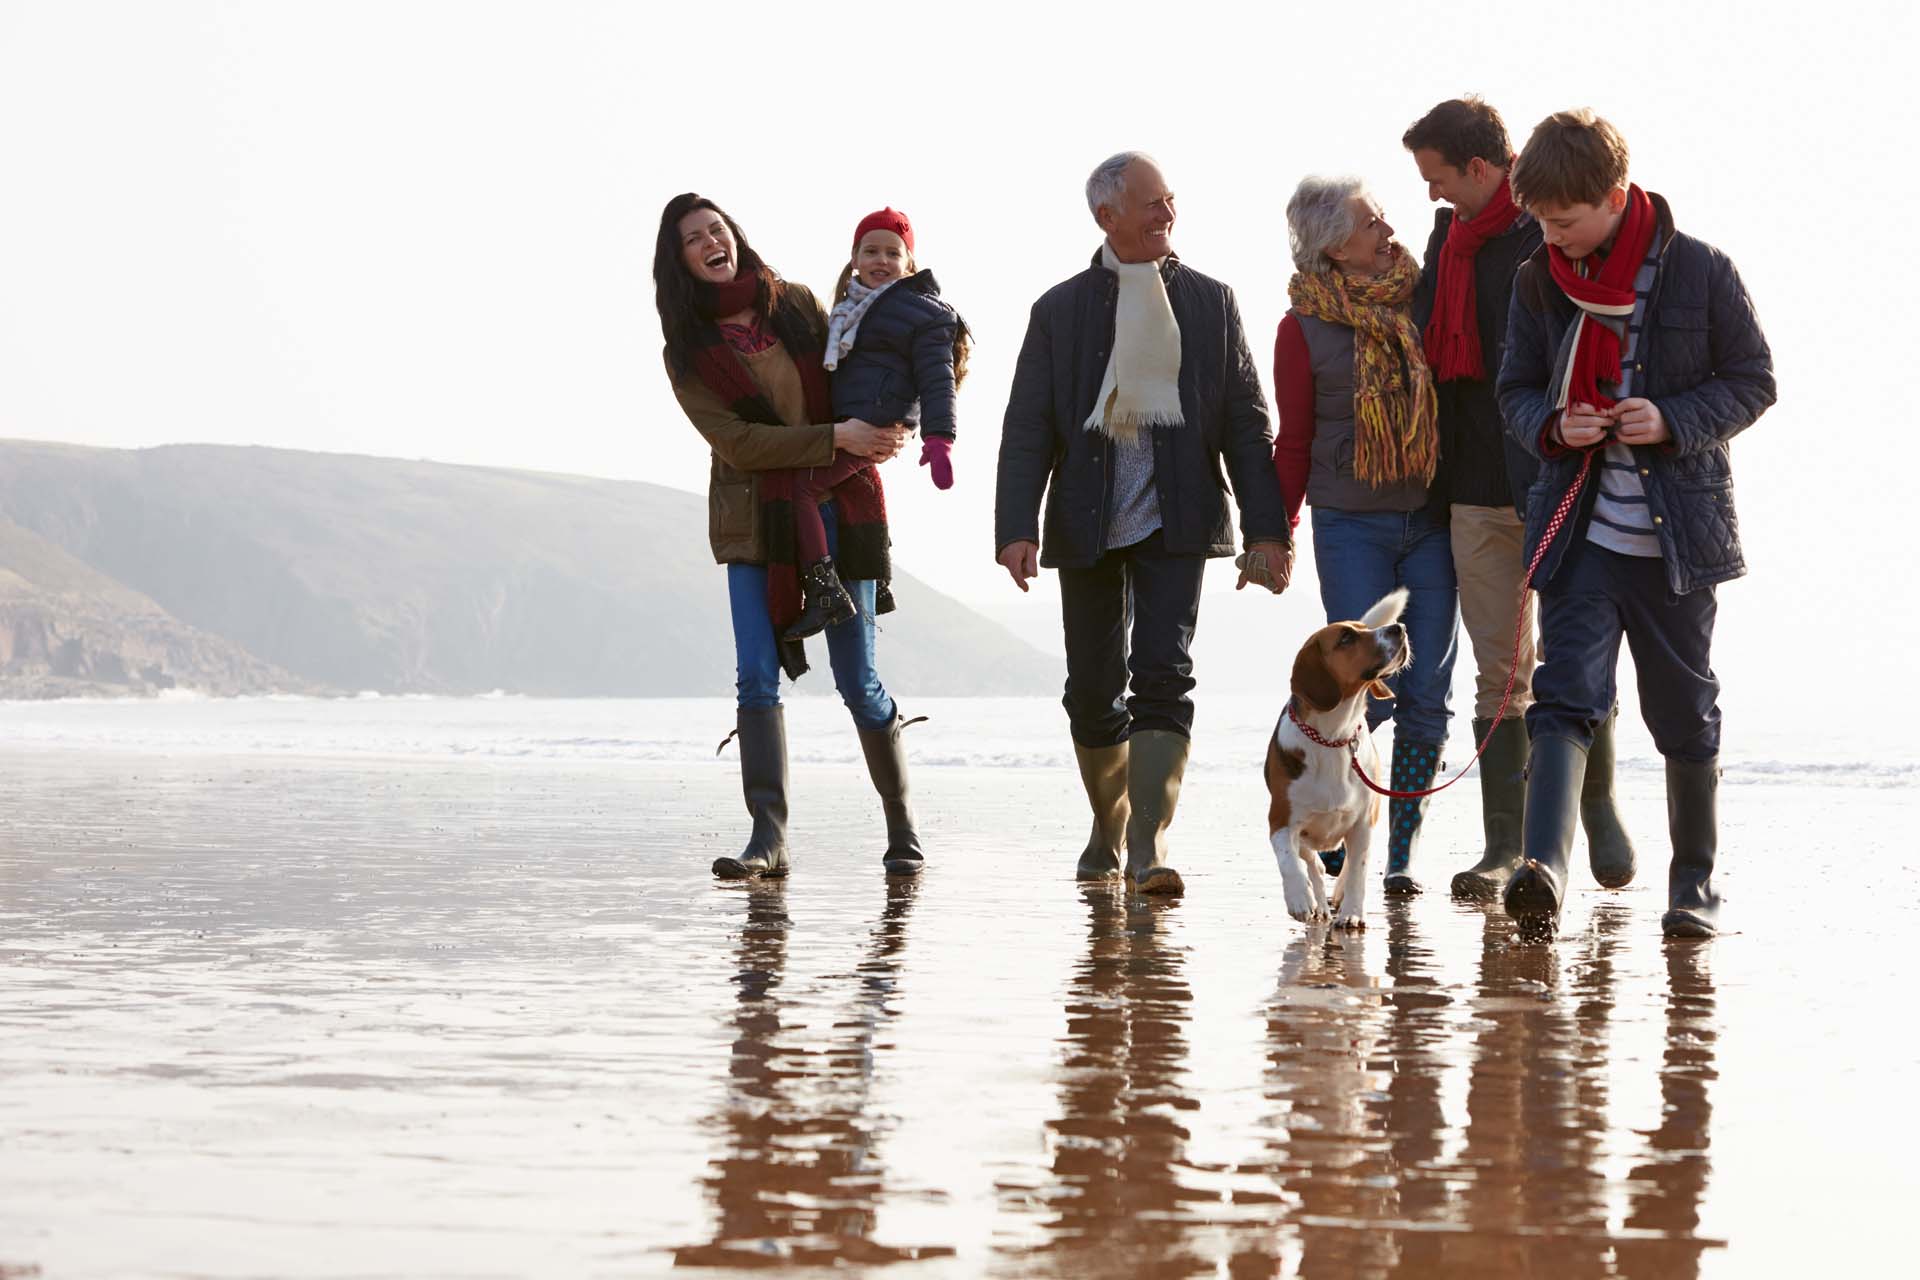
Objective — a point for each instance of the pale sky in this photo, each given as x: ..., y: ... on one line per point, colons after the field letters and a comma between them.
x: 425, y: 229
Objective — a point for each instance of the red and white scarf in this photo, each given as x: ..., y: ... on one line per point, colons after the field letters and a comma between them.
x: 1607, y: 292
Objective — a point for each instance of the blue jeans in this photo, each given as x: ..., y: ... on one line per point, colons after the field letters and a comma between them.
x: 1362, y: 555
x: 849, y: 644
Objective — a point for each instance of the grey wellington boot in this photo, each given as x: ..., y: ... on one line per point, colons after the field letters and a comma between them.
x: 1503, y: 807
x: 1103, y: 771
x: 887, y: 766
x: 1693, y: 821
x: 1609, y: 850
x: 762, y: 732
x: 1538, y: 887
x: 1156, y: 765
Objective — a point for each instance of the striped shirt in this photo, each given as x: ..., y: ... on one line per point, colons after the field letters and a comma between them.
x: 1621, y: 521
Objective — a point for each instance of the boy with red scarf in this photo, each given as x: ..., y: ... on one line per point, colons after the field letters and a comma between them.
x: 1633, y: 357
x: 1462, y: 152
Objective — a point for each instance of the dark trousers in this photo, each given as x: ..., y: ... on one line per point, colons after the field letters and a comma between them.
x: 1143, y: 594
x: 1597, y: 597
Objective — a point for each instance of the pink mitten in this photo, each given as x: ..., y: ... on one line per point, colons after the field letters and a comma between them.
x: 934, y: 452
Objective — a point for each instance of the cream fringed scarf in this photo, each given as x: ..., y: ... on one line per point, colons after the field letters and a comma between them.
x: 1142, y: 386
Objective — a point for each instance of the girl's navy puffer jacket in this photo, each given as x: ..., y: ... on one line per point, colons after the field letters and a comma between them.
x: 901, y: 365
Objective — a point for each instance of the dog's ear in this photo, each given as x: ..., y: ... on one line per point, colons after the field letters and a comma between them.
x: 1313, y: 684
x: 1386, y: 610
x: 1379, y: 689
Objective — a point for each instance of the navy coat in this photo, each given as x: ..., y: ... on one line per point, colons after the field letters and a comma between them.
x: 1703, y: 360
x: 1045, y: 447
x: 901, y: 366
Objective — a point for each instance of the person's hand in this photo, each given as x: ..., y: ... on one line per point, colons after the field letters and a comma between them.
x: 934, y: 452
x: 1582, y: 426
x: 1641, y: 422
x: 1266, y: 564
x: 864, y: 440
x: 1021, y: 560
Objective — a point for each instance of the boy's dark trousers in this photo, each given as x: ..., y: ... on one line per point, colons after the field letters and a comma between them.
x: 1596, y: 598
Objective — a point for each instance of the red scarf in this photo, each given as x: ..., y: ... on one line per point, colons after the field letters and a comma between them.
x: 718, y: 301
x: 1453, y: 331
x: 1610, y: 292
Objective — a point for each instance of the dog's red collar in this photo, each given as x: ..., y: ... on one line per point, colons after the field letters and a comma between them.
x: 1313, y: 735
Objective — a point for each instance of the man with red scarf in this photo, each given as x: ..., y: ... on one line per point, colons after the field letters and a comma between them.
x: 1480, y: 237
x: 1633, y: 358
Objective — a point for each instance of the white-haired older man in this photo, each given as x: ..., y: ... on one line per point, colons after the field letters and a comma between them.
x: 1133, y: 390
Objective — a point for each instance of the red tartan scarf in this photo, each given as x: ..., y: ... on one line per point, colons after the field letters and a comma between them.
x: 862, y: 505
x: 1453, y: 330
x: 1608, y: 292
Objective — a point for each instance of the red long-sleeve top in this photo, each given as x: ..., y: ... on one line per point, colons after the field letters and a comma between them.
x: 1293, y: 401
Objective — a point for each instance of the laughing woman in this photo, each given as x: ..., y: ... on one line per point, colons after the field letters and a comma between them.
x: 1359, y: 440
x: 743, y: 350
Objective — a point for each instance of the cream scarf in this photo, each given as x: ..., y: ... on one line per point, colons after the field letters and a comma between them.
x: 1142, y: 385
x: 843, y: 326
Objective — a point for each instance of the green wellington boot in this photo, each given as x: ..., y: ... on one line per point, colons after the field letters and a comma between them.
x: 1103, y: 771
x: 1693, y: 821
x: 1503, y: 806
x: 1156, y: 764
x: 1609, y: 850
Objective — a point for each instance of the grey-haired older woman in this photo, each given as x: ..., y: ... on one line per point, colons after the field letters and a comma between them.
x: 1359, y: 441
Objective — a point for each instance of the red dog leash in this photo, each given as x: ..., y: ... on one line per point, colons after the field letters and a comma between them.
x: 1352, y: 744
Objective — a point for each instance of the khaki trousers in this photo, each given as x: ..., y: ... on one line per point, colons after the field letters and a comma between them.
x: 1489, y: 560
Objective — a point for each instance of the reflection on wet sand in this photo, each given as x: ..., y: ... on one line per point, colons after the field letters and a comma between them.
x: 1668, y: 1186
x: 800, y: 1181
x: 1356, y: 1073
x: 1115, y: 1203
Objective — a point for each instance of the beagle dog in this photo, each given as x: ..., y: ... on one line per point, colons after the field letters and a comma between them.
x: 1316, y: 801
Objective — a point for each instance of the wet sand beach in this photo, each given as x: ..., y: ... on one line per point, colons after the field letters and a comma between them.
x: 308, y: 1016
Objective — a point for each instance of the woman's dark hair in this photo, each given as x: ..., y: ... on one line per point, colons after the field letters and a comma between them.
x: 678, y: 296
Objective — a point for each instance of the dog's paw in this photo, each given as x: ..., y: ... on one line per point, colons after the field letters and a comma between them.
x: 1350, y: 921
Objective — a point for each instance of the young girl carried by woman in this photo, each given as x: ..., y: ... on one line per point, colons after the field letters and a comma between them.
x: 896, y: 353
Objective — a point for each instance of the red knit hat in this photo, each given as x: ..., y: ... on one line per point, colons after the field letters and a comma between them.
x: 888, y: 219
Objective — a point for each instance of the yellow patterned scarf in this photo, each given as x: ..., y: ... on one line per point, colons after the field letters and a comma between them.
x: 1395, y: 426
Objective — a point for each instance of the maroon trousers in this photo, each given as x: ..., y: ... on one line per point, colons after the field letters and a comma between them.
x: 811, y: 485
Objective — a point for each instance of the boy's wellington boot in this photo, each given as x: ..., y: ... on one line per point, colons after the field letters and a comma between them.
x: 1538, y: 887
x: 1693, y: 822
x: 1503, y: 804
x: 1156, y: 764
x: 1103, y: 771
x: 887, y: 766
x: 827, y: 601
x: 1609, y: 850
x: 1414, y: 764
x: 1334, y: 860
x: 762, y: 732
